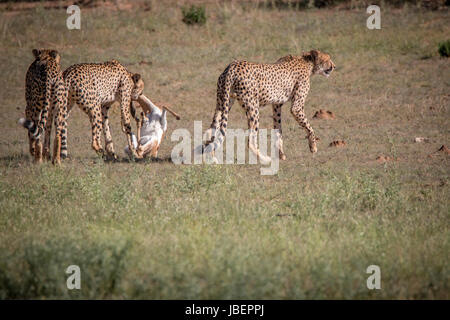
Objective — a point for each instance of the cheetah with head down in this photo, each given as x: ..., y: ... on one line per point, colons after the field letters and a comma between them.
x: 255, y: 85
x: 94, y: 87
x: 45, y: 94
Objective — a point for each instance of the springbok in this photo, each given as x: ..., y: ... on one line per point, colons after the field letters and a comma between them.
x: 150, y: 128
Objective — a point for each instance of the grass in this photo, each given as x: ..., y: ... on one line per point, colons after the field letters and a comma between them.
x: 194, y: 15
x: 444, y: 49
x: 155, y: 230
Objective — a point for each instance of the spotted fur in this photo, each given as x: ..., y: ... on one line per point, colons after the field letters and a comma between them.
x: 255, y: 85
x: 44, y: 93
x: 94, y: 87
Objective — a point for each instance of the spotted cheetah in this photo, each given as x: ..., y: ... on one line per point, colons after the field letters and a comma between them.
x: 255, y: 85
x: 94, y: 87
x: 44, y: 93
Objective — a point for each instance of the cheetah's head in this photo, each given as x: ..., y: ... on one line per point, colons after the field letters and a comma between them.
x: 138, y: 87
x: 322, y: 62
x: 46, y: 55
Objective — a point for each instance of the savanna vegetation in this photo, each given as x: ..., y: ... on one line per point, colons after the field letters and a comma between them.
x: 156, y: 230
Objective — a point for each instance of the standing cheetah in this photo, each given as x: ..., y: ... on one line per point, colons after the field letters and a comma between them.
x: 255, y: 85
x: 45, y: 94
x: 94, y: 87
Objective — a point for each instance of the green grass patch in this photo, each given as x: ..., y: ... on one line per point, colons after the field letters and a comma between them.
x: 444, y: 49
x: 194, y: 14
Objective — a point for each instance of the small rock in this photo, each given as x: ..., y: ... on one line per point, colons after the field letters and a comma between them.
x: 322, y: 114
x: 383, y: 159
x: 421, y: 139
x: 338, y: 143
x: 443, y: 149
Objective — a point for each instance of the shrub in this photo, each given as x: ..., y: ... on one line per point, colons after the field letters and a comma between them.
x: 194, y: 15
x: 444, y: 48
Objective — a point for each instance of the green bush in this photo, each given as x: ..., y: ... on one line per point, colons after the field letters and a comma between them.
x: 326, y: 3
x: 38, y: 269
x: 444, y: 48
x: 194, y: 15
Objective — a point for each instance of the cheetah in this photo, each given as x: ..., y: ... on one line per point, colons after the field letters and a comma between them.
x: 94, y: 87
x: 255, y: 85
x: 44, y: 93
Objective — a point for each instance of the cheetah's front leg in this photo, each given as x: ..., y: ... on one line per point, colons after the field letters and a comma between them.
x: 42, y: 127
x: 298, y: 112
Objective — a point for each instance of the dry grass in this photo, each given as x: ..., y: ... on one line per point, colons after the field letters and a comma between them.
x: 157, y: 230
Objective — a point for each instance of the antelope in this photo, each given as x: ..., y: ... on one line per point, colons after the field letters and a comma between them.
x: 150, y: 128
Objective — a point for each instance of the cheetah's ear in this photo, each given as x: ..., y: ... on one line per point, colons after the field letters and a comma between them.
x: 36, y: 53
x: 312, y: 56
x: 55, y: 55
x: 136, y: 77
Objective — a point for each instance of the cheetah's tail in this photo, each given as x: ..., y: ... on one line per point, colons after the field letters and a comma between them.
x: 225, y: 97
x: 31, y: 126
